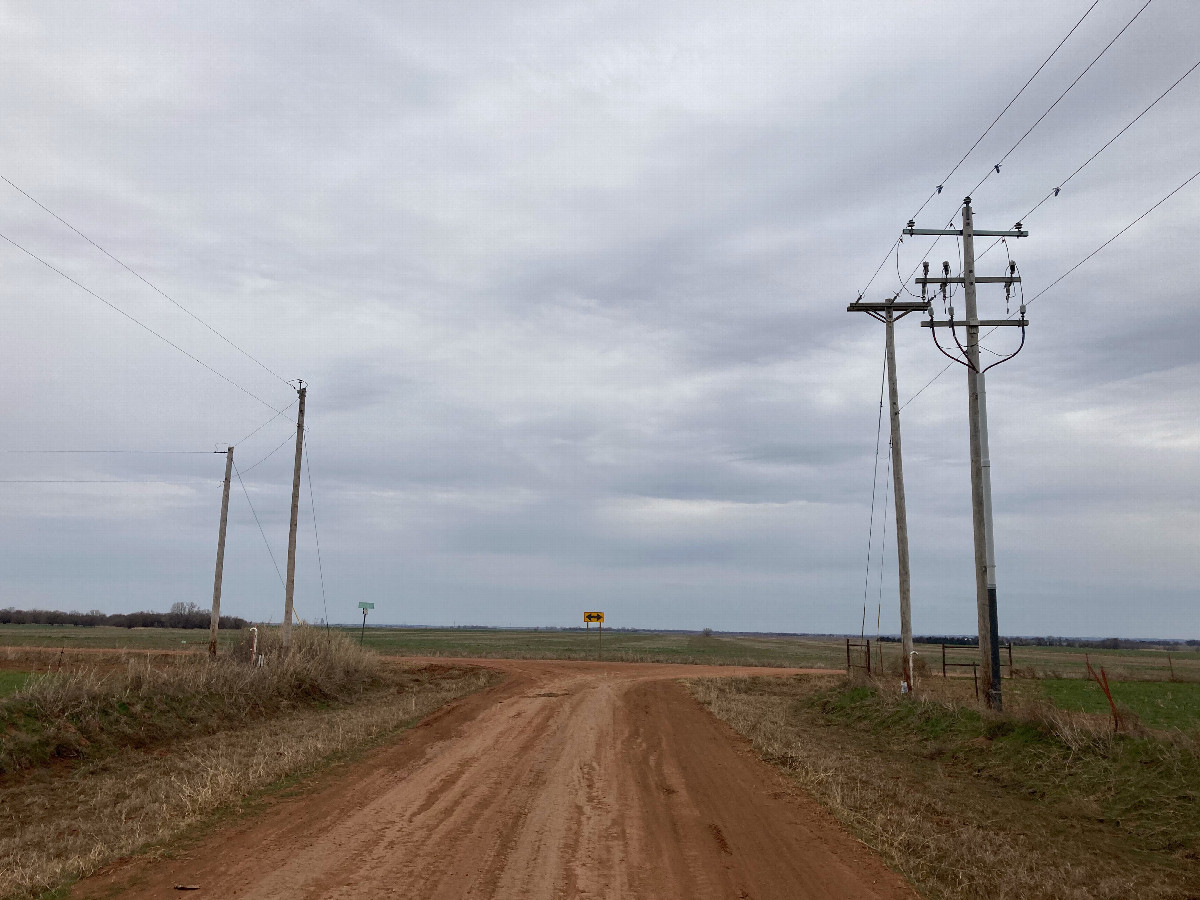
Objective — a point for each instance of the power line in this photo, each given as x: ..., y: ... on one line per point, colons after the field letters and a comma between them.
x: 258, y: 523
x: 996, y: 166
x: 316, y: 534
x: 1186, y: 182
x: 1016, y: 96
x: 874, y: 484
x: 979, y: 140
x: 269, y: 455
x: 1055, y: 191
x: 128, y: 268
x: 949, y: 365
x: 266, y: 423
x: 139, y: 323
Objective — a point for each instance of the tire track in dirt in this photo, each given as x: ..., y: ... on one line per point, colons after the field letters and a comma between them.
x: 569, y: 780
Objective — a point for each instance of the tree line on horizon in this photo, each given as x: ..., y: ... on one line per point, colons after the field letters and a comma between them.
x: 181, y: 615
x: 1049, y: 641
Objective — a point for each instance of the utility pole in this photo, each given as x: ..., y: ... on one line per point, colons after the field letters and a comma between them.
x: 216, y: 601
x: 886, y: 312
x: 286, y: 633
x: 981, y: 471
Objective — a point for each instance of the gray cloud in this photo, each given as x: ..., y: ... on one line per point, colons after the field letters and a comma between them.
x: 568, y: 287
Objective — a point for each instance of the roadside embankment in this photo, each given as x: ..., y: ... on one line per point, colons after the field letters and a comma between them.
x: 102, y: 760
x: 1039, y: 803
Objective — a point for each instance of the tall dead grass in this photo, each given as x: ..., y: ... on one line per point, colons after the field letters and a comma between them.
x: 88, y: 710
x: 153, y: 750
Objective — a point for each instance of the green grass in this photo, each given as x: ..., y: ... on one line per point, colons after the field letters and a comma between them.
x: 1158, y: 704
x: 11, y: 681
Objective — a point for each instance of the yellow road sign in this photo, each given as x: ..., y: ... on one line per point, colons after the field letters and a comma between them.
x: 593, y: 617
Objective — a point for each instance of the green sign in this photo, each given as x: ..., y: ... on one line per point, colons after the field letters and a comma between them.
x: 363, y: 605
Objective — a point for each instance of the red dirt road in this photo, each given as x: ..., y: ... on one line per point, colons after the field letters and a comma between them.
x: 569, y: 780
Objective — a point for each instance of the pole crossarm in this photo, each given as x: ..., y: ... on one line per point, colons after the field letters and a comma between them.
x: 981, y: 323
x: 884, y: 305
x: 947, y: 232
x: 978, y: 279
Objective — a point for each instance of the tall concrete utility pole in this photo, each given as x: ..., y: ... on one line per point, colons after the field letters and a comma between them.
x: 286, y: 633
x: 981, y: 472
x: 215, y: 618
x: 886, y: 312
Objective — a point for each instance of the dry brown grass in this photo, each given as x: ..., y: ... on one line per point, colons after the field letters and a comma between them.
x: 93, y: 707
x: 62, y: 822
x: 1055, y: 806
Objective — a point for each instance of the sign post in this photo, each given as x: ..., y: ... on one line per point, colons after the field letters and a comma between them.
x: 598, y: 618
x: 364, y: 606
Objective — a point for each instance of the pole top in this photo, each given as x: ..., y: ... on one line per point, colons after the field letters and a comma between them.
x: 966, y: 201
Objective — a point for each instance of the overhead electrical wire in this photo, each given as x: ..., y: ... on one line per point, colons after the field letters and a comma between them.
x: 887, y: 486
x: 316, y: 534
x: 874, y: 485
x: 128, y: 268
x: 269, y: 455
x: 995, y: 168
x: 1016, y: 96
x: 1054, y: 192
x: 139, y: 323
x: 979, y: 140
x: 266, y: 423
x: 1185, y: 183
x: 270, y: 552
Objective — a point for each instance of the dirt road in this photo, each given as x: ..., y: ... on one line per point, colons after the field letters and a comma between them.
x: 569, y: 780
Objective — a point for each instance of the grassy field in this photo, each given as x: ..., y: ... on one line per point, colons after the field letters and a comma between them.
x: 624, y: 646
x: 11, y: 681
x: 1157, y: 704
x: 634, y: 646
x: 1035, y: 805
x: 106, y: 637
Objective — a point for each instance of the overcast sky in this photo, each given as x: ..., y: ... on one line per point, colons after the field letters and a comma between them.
x: 568, y: 284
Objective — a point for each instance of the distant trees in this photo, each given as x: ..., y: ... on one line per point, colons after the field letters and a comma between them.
x: 182, y: 615
x: 1051, y: 641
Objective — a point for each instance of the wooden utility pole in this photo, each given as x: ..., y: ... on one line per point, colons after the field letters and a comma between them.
x: 215, y: 618
x: 286, y: 633
x: 981, y: 471
x: 886, y: 312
